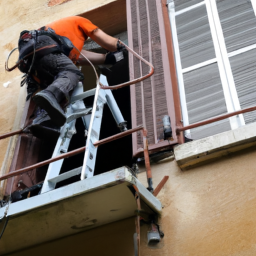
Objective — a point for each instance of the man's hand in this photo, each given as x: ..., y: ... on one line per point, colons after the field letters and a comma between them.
x: 113, y: 57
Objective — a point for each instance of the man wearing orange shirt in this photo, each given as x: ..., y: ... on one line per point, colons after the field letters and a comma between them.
x: 56, y: 49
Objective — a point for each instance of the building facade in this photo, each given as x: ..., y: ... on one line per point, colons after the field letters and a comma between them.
x: 203, y: 55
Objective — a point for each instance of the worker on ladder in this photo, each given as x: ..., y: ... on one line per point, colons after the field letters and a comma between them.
x: 48, y: 57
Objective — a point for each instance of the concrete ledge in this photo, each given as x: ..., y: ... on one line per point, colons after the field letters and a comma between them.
x: 196, y: 152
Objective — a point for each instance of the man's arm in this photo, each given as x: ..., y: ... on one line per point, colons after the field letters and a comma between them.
x: 104, y: 40
x: 95, y: 58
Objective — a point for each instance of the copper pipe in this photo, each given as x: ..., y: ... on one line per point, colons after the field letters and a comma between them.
x: 118, y: 136
x: 34, y: 166
x: 71, y: 153
x: 6, y: 135
x: 214, y: 119
x: 147, y: 161
x: 101, y: 85
x: 135, y: 80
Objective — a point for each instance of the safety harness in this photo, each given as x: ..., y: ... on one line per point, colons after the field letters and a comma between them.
x: 33, y: 45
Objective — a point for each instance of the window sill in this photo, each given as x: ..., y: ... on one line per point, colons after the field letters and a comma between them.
x: 200, y: 151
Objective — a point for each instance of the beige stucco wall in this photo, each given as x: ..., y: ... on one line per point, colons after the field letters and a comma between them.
x: 15, y: 17
x: 208, y: 211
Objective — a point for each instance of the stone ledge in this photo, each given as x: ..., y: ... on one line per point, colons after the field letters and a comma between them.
x: 196, y: 152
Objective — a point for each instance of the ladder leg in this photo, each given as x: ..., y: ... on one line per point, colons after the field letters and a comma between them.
x: 93, y: 134
x: 101, y: 97
x: 121, y: 123
x: 67, y: 132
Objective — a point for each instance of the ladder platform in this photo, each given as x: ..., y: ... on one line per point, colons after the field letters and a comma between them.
x: 80, y: 206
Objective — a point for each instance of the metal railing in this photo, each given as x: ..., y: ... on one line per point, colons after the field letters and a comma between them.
x: 96, y: 144
x: 214, y: 119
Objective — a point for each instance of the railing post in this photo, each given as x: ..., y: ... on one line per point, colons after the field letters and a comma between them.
x: 147, y: 161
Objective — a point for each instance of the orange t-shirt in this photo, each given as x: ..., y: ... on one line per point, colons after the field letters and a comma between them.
x: 77, y: 29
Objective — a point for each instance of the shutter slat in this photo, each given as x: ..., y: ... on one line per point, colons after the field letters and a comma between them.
x: 194, y: 36
x: 238, y: 23
x: 244, y: 71
x: 205, y: 99
x: 151, y: 94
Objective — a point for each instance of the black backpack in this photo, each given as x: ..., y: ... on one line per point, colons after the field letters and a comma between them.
x: 37, y: 43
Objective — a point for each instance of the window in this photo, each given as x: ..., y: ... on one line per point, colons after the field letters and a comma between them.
x: 215, y: 52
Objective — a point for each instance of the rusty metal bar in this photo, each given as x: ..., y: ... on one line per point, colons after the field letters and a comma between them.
x: 114, y: 87
x: 9, y: 134
x: 214, y: 119
x: 34, y: 166
x: 118, y: 136
x: 115, y: 137
x: 172, y: 67
x: 147, y: 161
x: 160, y: 185
x: 71, y: 153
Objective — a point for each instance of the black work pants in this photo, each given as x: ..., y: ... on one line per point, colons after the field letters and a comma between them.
x: 65, y: 74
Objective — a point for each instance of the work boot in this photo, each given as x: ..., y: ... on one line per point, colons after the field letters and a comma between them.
x: 47, y: 101
x: 42, y: 127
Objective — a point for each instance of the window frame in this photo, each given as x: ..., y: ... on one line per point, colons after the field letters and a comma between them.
x: 222, y: 60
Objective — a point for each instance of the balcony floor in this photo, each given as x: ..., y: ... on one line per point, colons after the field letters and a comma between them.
x: 80, y: 206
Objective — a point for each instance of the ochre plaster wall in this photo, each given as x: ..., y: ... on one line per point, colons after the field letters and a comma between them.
x: 15, y: 17
x: 114, y: 239
x: 207, y: 211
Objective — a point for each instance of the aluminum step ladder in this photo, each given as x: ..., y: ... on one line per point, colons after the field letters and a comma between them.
x: 92, y: 118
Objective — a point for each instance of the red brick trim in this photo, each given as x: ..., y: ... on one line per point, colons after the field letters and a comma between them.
x: 52, y: 3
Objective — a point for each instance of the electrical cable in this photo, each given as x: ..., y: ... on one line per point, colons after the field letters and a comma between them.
x: 96, y: 74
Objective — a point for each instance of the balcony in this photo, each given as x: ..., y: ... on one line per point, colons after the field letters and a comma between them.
x: 77, y: 207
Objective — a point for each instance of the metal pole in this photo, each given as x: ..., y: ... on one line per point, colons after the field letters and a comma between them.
x: 6, y: 135
x: 147, y: 161
x: 34, y: 166
x: 118, y: 136
x: 71, y: 153
x: 214, y: 119
x: 160, y: 185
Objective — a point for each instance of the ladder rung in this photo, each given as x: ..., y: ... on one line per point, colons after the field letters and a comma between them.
x: 66, y: 175
x: 78, y: 114
x: 83, y: 95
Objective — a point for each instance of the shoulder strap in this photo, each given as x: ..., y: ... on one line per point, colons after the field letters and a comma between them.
x: 65, y: 44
